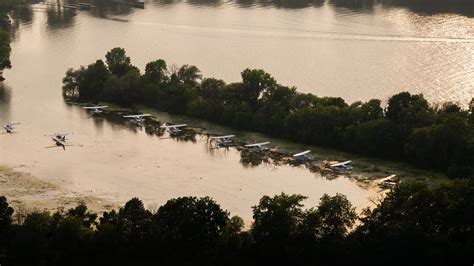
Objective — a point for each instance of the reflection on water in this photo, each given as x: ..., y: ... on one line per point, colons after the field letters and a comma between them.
x: 5, y: 101
x: 357, y: 50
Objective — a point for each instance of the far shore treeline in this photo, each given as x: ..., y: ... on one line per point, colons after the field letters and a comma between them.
x: 413, y: 224
x: 408, y: 129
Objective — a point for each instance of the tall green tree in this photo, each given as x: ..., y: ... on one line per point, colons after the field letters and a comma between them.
x: 118, y: 61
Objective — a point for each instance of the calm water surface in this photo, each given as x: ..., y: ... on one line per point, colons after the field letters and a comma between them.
x: 327, y: 49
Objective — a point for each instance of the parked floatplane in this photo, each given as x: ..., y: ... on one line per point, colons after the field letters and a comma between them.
x: 388, y: 182
x: 95, y: 110
x: 137, y: 119
x: 341, y: 167
x: 10, y: 127
x: 59, y: 140
x: 263, y: 146
x: 174, y: 129
x: 222, y: 141
x: 302, y: 156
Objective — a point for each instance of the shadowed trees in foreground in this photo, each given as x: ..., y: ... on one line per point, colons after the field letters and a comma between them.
x: 429, y: 225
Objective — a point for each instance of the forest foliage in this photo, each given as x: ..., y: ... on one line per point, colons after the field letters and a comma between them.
x: 428, y: 225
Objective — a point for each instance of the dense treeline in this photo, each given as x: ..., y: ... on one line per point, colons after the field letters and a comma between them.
x: 413, y: 223
x: 409, y: 128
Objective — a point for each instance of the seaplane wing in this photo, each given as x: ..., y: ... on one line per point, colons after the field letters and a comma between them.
x: 11, y: 124
x: 174, y: 126
x: 59, y: 135
x: 257, y: 144
x: 95, y: 107
x: 387, y: 178
x: 223, y: 137
x: 136, y: 116
x: 341, y: 164
x: 58, y: 141
x: 301, y: 153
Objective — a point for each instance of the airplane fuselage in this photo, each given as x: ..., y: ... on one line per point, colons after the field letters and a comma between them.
x: 96, y: 111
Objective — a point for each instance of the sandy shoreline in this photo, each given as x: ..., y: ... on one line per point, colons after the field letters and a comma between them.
x: 26, y: 193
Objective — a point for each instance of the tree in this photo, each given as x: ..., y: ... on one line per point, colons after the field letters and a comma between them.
x: 433, y: 224
x: 276, y: 219
x: 188, y: 229
x: 92, y: 81
x: 211, y: 89
x: 5, y: 213
x: 255, y: 82
x: 134, y: 220
x: 373, y: 137
x: 155, y: 71
x: 72, y: 81
x: 336, y: 216
x: 117, y: 60
x: 408, y: 110
x: 439, y: 145
x: 189, y: 74
x: 80, y: 212
x: 368, y: 111
x: 190, y: 221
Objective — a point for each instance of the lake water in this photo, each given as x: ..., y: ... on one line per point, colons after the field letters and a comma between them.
x: 329, y: 49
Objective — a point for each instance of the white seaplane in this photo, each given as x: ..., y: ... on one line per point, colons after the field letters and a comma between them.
x: 222, y: 141
x: 10, y: 127
x: 137, y: 119
x: 95, y: 110
x: 174, y: 129
x: 263, y: 146
x: 59, y: 139
x: 388, y: 182
x: 342, y: 166
x: 302, y: 156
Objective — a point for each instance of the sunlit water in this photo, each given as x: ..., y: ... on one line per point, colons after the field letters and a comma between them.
x: 326, y: 50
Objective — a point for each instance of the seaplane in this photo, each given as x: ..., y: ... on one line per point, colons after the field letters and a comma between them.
x: 10, y: 127
x: 263, y: 146
x: 222, y: 141
x: 59, y: 139
x: 342, y: 166
x: 302, y: 156
x: 137, y: 119
x: 174, y: 129
x: 95, y: 110
x: 388, y: 182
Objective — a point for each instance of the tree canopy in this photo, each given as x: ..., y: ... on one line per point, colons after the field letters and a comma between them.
x: 428, y: 224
